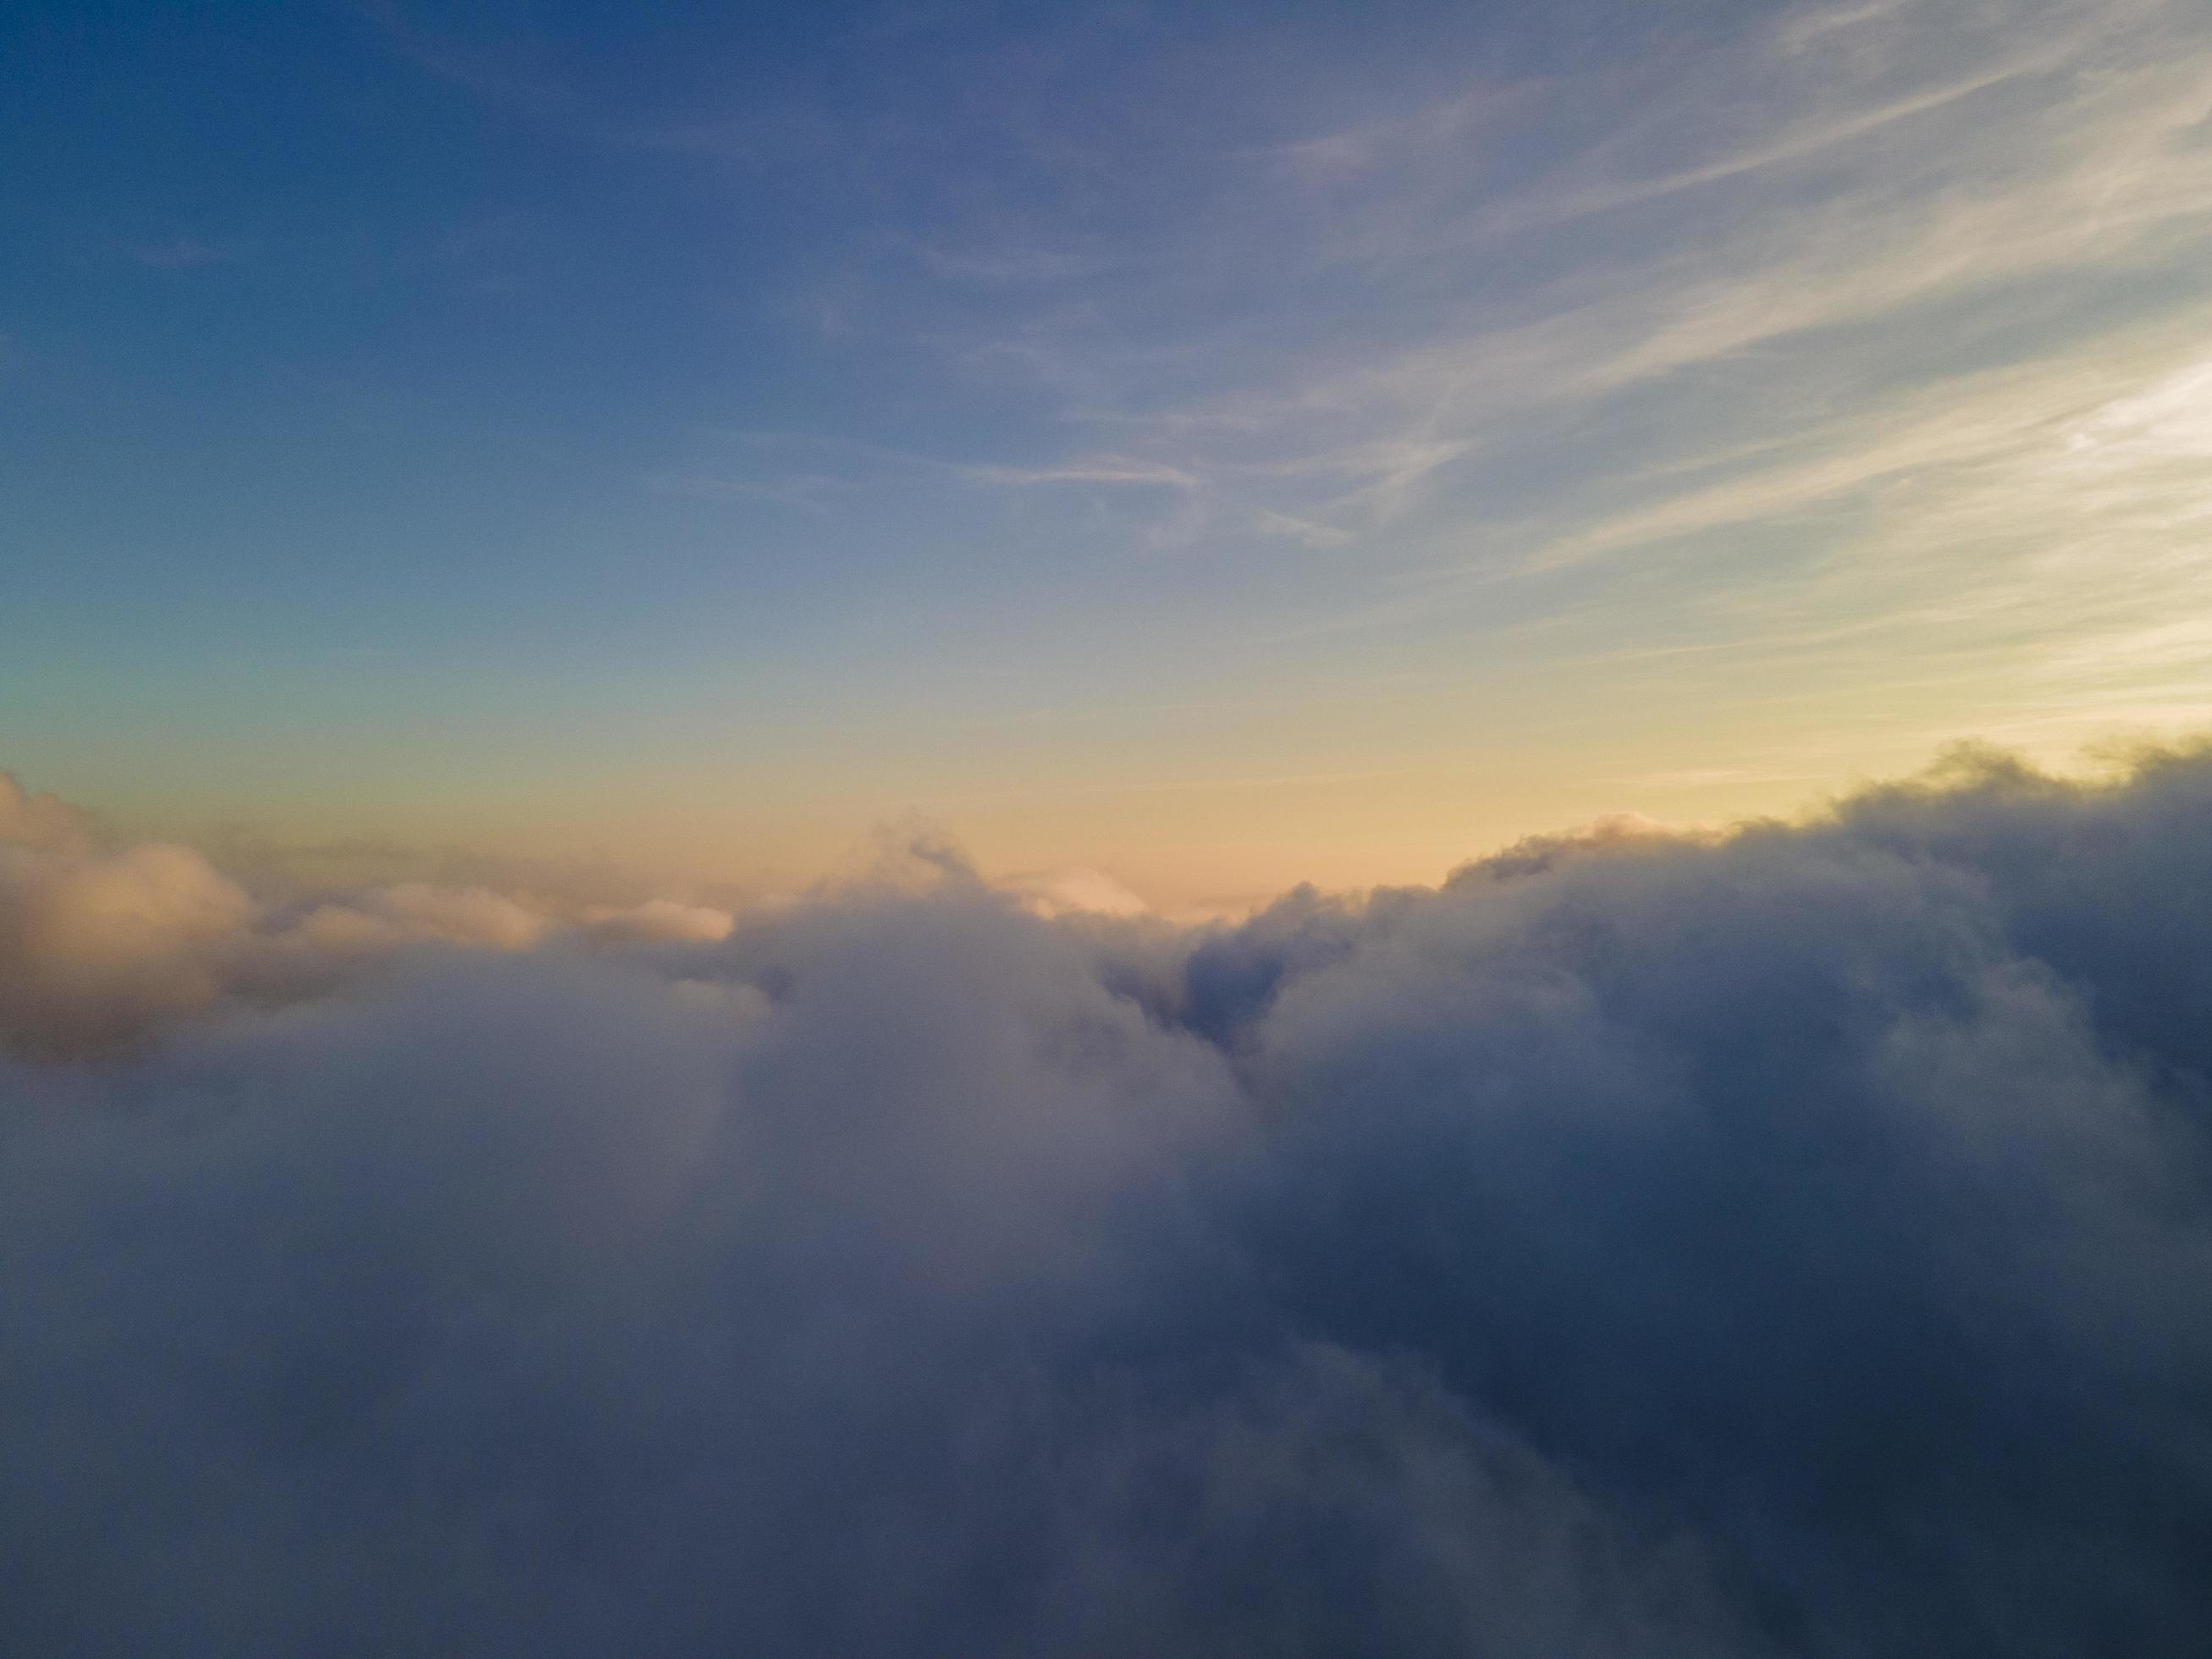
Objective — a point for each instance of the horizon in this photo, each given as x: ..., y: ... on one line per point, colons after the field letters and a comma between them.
x: 911, y: 854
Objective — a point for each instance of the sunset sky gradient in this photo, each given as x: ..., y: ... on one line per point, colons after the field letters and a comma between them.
x: 1209, y: 447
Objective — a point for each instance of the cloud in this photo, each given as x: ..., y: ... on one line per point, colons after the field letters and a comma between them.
x: 462, y: 915
x: 92, y: 950
x: 1086, y: 470
x: 42, y: 822
x: 1813, y: 294
x: 102, y: 946
x: 511, y: 73
x: 1794, y: 1241
x: 1076, y: 891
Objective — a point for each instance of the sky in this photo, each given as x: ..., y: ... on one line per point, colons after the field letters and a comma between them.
x: 1099, y: 829
x: 1204, y: 448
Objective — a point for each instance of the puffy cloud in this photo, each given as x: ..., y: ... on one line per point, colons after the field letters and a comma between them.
x: 94, y: 947
x: 1077, y: 891
x: 102, y: 946
x: 1795, y: 1242
x: 413, y: 910
x: 42, y: 821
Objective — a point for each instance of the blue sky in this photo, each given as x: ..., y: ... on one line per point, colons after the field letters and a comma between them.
x: 1213, y: 445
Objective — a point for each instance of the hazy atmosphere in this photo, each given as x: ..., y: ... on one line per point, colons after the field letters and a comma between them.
x: 1107, y: 830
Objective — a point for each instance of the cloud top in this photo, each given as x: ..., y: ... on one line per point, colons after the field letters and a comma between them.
x: 1793, y: 1242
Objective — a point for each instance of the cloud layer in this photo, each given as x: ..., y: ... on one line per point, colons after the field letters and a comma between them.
x: 1792, y: 1243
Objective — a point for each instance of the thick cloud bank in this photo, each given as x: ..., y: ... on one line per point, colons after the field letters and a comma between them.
x: 1796, y: 1244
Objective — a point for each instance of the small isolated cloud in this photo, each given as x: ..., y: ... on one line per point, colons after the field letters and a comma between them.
x: 1794, y: 1242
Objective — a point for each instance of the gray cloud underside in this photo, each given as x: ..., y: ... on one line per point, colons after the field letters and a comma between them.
x: 1798, y: 1242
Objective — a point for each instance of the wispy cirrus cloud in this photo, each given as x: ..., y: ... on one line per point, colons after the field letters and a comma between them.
x: 1930, y: 160
x: 512, y: 69
x: 1772, y: 323
x: 1876, y: 270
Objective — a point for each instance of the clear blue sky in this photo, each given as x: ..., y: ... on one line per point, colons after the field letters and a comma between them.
x: 1214, y: 445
